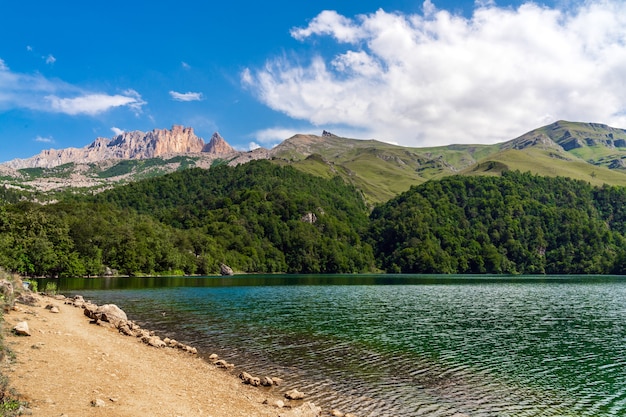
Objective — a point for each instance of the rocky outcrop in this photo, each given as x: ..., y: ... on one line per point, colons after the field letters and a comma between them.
x: 218, y: 146
x: 129, y: 145
x: 226, y: 270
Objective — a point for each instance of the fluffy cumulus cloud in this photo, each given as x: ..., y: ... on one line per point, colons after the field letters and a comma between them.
x: 38, y: 93
x: 439, y: 77
x: 189, y: 96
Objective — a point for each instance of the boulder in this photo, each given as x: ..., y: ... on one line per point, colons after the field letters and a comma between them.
x: 249, y: 379
x: 28, y: 299
x: 154, y: 341
x: 226, y: 270
x: 21, y: 329
x: 110, y: 313
x: 223, y: 364
x: 294, y: 394
x: 267, y: 381
x: 307, y: 409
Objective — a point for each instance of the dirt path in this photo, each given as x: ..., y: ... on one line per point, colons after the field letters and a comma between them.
x: 67, y: 363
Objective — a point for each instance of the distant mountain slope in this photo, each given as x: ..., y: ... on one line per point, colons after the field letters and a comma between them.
x: 591, y: 152
x: 381, y: 170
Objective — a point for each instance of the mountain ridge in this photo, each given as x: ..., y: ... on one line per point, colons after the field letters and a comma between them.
x: 130, y: 146
x: 592, y: 152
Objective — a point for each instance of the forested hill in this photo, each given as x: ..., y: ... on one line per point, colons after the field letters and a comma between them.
x: 516, y: 223
x: 260, y: 217
x: 256, y: 217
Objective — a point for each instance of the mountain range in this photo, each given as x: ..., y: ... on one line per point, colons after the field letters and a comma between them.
x: 592, y: 152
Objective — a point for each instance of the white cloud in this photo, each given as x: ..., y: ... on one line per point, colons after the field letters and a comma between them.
x: 29, y: 48
x: 44, y: 139
x: 50, y: 59
x: 185, y: 65
x: 440, y: 77
x: 189, y: 96
x: 117, y: 131
x: 36, y: 92
x: 329, y: 22
x: 253, y: 145
x: 3, y: 65
x: 91, y: 104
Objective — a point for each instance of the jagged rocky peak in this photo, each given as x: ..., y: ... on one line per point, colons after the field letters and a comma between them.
x: 129, y: 145
x: 217, y: 146
x: 158, y: 142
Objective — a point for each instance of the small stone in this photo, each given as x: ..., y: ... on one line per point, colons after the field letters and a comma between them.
x: 98, y: 403
x: 21, y: 329
x: 294, y: 394
x: 213, y: 357
x: 222, y: 364
x: 336, y: 413
x: 307, y: 409
x: 266, y: 381
x: 274, y: 403
x: 55, y: 309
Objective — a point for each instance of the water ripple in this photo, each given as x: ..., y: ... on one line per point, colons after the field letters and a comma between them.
x: 487, y: 350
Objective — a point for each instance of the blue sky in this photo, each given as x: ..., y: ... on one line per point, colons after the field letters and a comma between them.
x: 415, y: 73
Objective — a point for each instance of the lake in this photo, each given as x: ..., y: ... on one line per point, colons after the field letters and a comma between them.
x: 401, y: 345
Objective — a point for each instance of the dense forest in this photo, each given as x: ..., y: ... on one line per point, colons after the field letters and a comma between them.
x: 516, y: 223
x: 256, y: 217
x: 260, y: 217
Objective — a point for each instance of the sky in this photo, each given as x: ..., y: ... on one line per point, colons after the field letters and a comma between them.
x: 413, y: 73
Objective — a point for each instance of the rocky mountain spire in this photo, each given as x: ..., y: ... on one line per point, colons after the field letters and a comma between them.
x: 217, y: 146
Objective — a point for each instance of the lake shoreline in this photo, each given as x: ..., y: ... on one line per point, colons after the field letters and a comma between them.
x: 102, y: 372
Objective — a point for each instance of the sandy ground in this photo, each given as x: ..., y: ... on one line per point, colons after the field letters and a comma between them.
x: 67, y: 363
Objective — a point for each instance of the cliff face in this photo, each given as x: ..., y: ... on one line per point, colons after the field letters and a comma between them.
x: 217, y: 146
x: 129, y: 145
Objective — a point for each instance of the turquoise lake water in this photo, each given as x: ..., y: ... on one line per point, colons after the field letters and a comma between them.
x: 402, y: 345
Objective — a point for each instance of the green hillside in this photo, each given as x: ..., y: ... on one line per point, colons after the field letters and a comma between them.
x: 513, y: 223
x: 256, y: 217
x: 381, y: 170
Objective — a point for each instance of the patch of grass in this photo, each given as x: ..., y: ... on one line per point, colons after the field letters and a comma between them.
x: 51, y: 288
